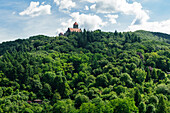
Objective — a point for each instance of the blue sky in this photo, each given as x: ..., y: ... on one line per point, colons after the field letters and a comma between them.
x: 25, y: 18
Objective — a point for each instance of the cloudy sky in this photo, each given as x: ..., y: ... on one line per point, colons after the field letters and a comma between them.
x: 25, y: 18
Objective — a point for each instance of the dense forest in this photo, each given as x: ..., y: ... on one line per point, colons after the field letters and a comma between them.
x: 88, y: 72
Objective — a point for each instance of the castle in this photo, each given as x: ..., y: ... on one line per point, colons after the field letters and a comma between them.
x: 74, y: 29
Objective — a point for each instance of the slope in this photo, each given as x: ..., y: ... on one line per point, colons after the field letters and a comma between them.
x: 92, y: 71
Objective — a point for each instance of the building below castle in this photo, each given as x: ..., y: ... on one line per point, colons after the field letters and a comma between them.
x: 74, y: 29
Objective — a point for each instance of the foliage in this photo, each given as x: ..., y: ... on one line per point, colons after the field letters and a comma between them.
x: 88, y: 72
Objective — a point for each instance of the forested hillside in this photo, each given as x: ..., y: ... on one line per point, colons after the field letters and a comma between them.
x: 153, y: 35
x: 88, y: 72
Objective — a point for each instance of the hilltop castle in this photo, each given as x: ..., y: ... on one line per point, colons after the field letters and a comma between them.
x: 74, y: 29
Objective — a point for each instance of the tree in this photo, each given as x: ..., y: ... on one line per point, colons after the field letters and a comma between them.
x: 116, y: 33
x: 87, y: 108
x: 28, y: 72
x: 125, y: 105
x: 90, y: 79
x: 62, y: 86
x: 164, y: 89
x: 162, y: 108
x: 114, y: 71
x: 154, y: 74
x: 125, y: 77
x: 79, y: 99
x: 47, y: 90
x: 137, y: 97
x: 139, y: 75
x: 161, y: 74
x: 64, y: 106
x: 1, y: 92
x: 36, y: 85
x: 32, y: 96
x: 47, y: 108
x: 148, y: 76
x: 8, y: 91
x: 142, y: 107
x: 141, y: 63
x: 101, y: 80
x: 49, y: 77
x: 28, y: 110
x: 120, y: 89
x: 153, y: 100
x: 150, y: 108
x: 56, y: 97
x: 1, y: 111
x: 124, y: 70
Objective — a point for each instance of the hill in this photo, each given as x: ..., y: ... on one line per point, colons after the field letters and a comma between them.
x: 87, y: 72
x: 154, y: 35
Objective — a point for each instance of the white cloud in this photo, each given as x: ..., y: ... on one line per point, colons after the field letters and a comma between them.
x: 91, y: 1
x: 112, y: 18
x: 88, y: 21
x: 57, y: 2
x: 64, y: 26
x: 150, y: 1
x: 93, y: 6
x: 43, y: 3
x: 121, y: 6
x: 35, y: 9
x: 86, y: 8
x: 45, y: 26
x: 85, y: 21
x: 65, y: 5
x: 162, y: 26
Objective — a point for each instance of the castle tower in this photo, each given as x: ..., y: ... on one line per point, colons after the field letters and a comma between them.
x: 75, y: 25
x: 74, y: 29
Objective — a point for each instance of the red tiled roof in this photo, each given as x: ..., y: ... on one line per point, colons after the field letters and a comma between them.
x: 75, y: 23
x: 74, y: 30
x: 29, y: 101
x: 37, y: 100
